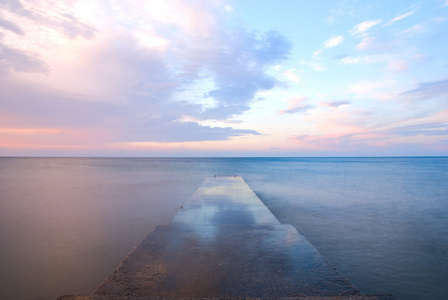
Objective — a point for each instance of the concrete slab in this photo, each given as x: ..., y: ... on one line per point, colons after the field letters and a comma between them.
x: 226, y: 261
x: 224, y: 243
x: 224, y: 190
x: 224, y: 200
x: 224, y: 214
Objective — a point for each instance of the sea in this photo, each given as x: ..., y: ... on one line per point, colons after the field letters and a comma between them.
x: 67, y: 223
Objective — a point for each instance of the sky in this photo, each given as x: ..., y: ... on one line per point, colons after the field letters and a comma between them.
x: 223, y: 78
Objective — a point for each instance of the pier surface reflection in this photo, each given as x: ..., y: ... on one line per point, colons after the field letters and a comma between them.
x: 225, y: 243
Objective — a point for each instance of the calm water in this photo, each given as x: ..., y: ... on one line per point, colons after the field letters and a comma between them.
x: 66, y: 223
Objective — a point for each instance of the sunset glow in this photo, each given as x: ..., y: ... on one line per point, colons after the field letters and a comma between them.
x: 223, y: 78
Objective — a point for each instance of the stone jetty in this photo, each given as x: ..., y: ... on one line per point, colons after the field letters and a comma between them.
x: 224, y: 243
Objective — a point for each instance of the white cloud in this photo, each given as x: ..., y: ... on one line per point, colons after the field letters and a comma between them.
x: 416, y: 29
x: 367, y: 43
x: 361, y: 28
x: 316, y: 53
x: 291, y: 75
x: 398, y: 18
x: 334, y: 41
x: 228, y: 8
x: 376, y: 89
x: 150, y: 40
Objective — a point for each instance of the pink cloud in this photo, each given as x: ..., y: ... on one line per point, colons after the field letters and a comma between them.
x: 342, y: 132
x: 297, y: 104
x: 55, y: 136
x: 105, y: 75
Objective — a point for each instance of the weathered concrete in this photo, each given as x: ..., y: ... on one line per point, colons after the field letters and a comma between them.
x: 225, y: 243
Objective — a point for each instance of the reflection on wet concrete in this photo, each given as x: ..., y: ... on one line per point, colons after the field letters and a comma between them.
x: 237, y: 261
x: 224, y: 243
x: 224, y: 214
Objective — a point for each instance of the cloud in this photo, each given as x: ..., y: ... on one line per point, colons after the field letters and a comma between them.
x: 376, y: 89
x: 400, y: 17
x: 316, y: 53
x: 20, y: 60
x: 427, y: 129
x: 298, y: 108
x: 33, y: 24
x: 296, y: 105
x: 341, y: 9
x: 46, y: 14
x: 427, y: 90
x: 376, y: 140
x: 133, y: 78
x: 16, y: 7
x: 415, y: 29
x: 187, y: 132
x: 135, y: 121
x: 11, y: 26
x: 72, y: 27
x: 334, y: 104
x: 439, y: 19
x: 334, y: 143
x: 237, y: 69
x: 318, y: 67
x: 361, y: 28
x: 228, y: 8
x: 291, y: 75
x: 367, y: 43
x: 334, y: 41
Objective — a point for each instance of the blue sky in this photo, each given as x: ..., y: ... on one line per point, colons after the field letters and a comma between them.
x: 224, y: 78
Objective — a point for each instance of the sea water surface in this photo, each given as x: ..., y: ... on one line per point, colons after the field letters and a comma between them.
x: 66, y: 223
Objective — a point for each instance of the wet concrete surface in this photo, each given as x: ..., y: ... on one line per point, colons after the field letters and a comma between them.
x: 225, y: 243
x: 226, y: 261
x: 224, y: 214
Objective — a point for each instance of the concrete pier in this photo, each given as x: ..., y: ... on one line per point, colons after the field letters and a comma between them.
x: 225, y: 243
